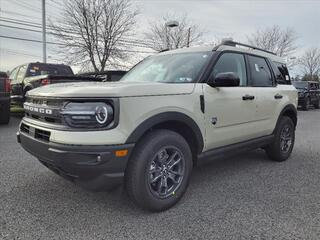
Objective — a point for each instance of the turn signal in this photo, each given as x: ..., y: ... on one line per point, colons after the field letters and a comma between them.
x: 121, y: 153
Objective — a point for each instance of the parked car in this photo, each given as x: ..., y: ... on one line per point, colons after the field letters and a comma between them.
x: 4, y: 98
x: 107, y: 76
x: 172, y: 111
x: 32, y: 75
x: 309, y: 94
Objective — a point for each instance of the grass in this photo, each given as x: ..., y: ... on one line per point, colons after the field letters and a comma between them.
x: 16, y: 109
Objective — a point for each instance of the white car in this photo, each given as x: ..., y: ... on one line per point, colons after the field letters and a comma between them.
x: 170, y: 112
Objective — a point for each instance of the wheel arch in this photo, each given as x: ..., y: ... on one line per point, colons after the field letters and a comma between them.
x: 175, y: 121
x: 290, y: 111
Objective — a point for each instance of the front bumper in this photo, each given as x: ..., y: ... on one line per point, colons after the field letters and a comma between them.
x: 95, y: 168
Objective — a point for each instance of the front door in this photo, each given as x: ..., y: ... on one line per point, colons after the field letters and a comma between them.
x: 230, y: 112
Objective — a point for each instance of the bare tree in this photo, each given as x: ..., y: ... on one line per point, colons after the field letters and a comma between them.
x: 162, y: 37
x: 310, y: 63
x: 275, y: 39
x: 94, y: 31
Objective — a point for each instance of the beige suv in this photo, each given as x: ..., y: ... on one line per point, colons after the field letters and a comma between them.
x: 172, y: 111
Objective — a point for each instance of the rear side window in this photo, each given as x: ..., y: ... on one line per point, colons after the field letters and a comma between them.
x: 280, y: 68
x: 232, y: 62
x: 44, y: 69
x: 260, y: 72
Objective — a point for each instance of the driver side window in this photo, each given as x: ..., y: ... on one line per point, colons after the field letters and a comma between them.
x: 232, y: 62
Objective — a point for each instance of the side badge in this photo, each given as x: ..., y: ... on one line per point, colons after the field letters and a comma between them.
x: 214, y: 120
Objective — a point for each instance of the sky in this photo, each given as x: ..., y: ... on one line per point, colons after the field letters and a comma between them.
x: 218, y: 19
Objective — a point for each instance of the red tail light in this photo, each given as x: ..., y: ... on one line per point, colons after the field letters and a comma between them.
x: 45, y: 82
x: 7, y: 87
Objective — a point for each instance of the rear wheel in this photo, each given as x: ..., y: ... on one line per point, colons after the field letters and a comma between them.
x: 306, y: 104
x: 158, y: 173
x: 317, y: 104
x: 5, y: 113
x: 280, y: 149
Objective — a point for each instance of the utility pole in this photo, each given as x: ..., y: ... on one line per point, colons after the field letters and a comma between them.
x: 188, y: 37
x: 44, y: 45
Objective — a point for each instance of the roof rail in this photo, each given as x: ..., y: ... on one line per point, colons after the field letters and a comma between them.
x: 234, y: 44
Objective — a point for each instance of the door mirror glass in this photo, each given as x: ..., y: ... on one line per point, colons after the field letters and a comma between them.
x: 226, y: 79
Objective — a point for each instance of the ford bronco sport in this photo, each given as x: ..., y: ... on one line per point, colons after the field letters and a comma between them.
x: 170, y: 112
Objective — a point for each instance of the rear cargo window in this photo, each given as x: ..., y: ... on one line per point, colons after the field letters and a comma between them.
x: 43, y: 69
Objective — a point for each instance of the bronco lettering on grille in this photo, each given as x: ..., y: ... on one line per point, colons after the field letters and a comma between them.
x: 37, y: 109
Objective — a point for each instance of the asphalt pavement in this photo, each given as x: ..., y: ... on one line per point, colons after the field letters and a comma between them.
x: 244, y: 197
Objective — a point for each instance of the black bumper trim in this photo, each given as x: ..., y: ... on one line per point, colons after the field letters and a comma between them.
x: 93, y: 167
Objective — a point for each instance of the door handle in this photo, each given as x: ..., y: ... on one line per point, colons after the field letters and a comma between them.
x: 247, y: 97
x: 278, y: 96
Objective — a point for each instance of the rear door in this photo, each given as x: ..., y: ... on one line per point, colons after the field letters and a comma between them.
x: 229, y: 111
x: 268, y: 95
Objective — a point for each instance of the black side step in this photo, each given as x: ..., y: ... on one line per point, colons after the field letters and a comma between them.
x: 234, y: 149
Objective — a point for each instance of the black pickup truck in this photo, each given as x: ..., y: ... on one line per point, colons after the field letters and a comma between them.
x: 4, y: 98
x: 309, y: 94
x: 32, y: 75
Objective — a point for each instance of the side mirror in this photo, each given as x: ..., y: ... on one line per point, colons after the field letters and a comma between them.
x: 226, y: 79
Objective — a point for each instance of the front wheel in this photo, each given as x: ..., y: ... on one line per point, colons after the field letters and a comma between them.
x: 158, y: 173
x: 281, y: 147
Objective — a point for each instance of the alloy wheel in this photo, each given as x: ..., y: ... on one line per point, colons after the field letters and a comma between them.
x: 166, y: 172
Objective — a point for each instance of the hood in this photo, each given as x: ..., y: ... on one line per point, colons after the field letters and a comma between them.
x: 111, y: 89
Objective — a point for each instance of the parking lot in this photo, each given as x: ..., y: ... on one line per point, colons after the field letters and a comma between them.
x: 245, y: 197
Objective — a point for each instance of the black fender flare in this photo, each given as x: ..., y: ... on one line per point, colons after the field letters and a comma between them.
x: 288, y: 108
x: 147, y: 124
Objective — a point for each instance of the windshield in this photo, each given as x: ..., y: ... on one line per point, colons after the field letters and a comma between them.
x: 300, y: 84
x: 169, y: 68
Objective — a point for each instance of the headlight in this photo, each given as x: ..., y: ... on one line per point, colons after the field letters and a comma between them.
x: 88, y: 114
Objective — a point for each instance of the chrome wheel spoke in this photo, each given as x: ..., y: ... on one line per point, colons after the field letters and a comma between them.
x: 286, y: 139
x: 156, y: 178
x: 173, y: 177
x: 163, y: 156
x: 174, y: 163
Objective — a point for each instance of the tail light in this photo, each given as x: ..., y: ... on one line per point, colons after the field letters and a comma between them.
x: 45, y: 82
x: 7, y: 86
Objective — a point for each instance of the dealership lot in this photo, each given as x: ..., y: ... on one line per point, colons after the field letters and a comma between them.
x: 245, y: 197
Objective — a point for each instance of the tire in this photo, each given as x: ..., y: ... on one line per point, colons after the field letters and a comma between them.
x: 317, y: 104
x: 281, y: 147
x: 151, y: 161
x: 306, y: 104
x: 5, y: 113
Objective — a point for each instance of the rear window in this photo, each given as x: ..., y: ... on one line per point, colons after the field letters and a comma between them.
x: 44, y: 69
x: 282, y: 73
x: 300, y: 85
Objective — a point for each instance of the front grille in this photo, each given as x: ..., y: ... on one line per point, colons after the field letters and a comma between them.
x: 39, y: 117
x: 43, y: 101
x: 36, y: 108
x: 42, y: 135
